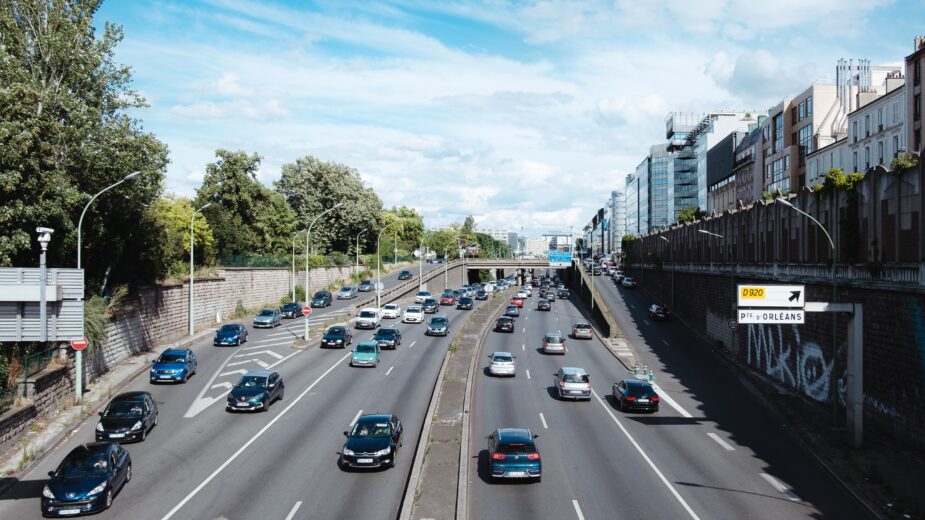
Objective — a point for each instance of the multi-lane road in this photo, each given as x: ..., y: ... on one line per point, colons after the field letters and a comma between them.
x: 712, y: 451
x: 202, y: 462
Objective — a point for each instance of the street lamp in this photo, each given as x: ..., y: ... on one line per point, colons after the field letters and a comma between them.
x: 292, y: 278
x: 78, y: 356
x: 446, y: 281
x: 357, y: 272
x: 192, y: 267
x: 672, y: 269
x: 421, y: 263
x: 717, y: 235
x: 308, y: 234
x: 379, y: 264
x: 44, y: 239
x: 828, y: 237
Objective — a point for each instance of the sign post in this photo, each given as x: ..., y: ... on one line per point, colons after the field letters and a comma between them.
x: 306, y: 310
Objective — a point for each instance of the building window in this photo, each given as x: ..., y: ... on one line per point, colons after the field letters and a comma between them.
x: 793, y: 115
x: 880, y: 120
x: 896, y: 112
x: 802, y: 110
x: 879, y: 152
x: 917, y: 137
x: 895, y: 146
x: 778, y: 132
x: 916, y: 73
x: 787, y: 163
x: 806, y: 139
x: 841, y: 158
x: 866, y: 158
x: 809, y: 106
x: 854, y: 131
x: 855, y: 157
x: 917, y: 107
x: 867, y: 125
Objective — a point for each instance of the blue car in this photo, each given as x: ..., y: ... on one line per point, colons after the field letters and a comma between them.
x: 86, y: 480
x: 175, y: 365
x: 512, y: 453
x: 230, y: 334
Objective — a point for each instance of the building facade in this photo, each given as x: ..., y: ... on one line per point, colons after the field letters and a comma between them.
x: 721, y: 181
x: 748, y: 167
x: 617, y: 208
x: 915, y: 101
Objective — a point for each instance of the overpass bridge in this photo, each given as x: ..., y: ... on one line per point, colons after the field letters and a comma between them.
x: 508, y: 263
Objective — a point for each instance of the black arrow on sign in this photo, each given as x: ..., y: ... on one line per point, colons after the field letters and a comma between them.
x: 794, y: 295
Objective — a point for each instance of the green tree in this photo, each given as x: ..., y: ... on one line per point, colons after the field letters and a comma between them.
x: 246, y: 217
x: 412, y: 226
x: 311, y: 186
x: 173, y: 215
x: 468, y: 226
x: 444, y: 241
x: 690, y: 214
x: 65, y: 135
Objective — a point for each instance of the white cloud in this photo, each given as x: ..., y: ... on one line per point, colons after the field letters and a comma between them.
x: 230, y: 85
x: 237, y: 109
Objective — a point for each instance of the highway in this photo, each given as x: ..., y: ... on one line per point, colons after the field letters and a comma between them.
x: 715, y: 453
x: 203, y: 462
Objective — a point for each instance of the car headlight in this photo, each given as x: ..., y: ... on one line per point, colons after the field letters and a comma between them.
x: 383, y: 452
x: 99, y: 427
x: 136, y: 426
x: 97, y: 490
x: 345, y: 451
x: 47, y: 493
x: 257, y: 398
x: 339, y: 341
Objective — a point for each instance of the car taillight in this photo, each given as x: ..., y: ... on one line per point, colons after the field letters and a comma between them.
x: 655, y: 398
x: 630, y: 398
x: 533, y: 456
x: 497, y: 456
x: 562, y: 384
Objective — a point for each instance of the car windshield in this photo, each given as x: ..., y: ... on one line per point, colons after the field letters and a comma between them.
x: 576, y: 378
x: 83, y: 464
x: 372, y: 429
x: 503, y: 359
x: 582, y: 326
x: 337, y: 331
x: 366, y: 282
x: 253, y: 382
x: 448, y: 293
x: 412, y: 310
x: 229, y: 328
x: 322, y: 294
x: 171, y: 358
x: 390, y: 307
x: 423, y: 293
x: 553, y: 339
x: 365, y: 349
x: 387, y: 333
x: 639, y: 390
x: 516, y: 449
x: 367, y: 314
x: 504, y: 320
x: 438, y: 321
x: 123, y: 409
x: 511, y: 307
x: 430, y: 301
x: 346, y: 289
x: 266, y: 312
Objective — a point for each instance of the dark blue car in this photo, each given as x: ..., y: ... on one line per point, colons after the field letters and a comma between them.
x: 512, y: 453
x: 230, y: 334
x: 175, y: 365
x: 86, y: 480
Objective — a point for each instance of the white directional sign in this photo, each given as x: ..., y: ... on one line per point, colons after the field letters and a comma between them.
x: 780, y: 296
x: 765, y: 316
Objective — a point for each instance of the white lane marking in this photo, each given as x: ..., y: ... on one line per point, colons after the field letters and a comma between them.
x: 779, y: 486
x: 525, y: 330
x: 412, y: 344
x: 233, y: 372
x: 665, y: 342
x: 270, y: 352
x: 523, y: 346
x: 719, y: 440
x: 578, y: 510
x: 292, y: 511
x: 390, y: 370
x: 224, y: 384
x: 266, y: 345
x: 526, y: 317
x: 253, y: 439
x: 543, y: 420
x: 671, y: 402
x: 647, y: 322
x: 645, y: 457
x: 246, y: 361
x: 284, y: 359
x: 528, y: 373
x: 201, y: 403
x: 632, y: 306
x: 355, y: 417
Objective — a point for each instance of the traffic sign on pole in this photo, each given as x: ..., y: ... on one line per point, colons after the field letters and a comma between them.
x: 306, y: 310
x: 779, y: 296
x: 79, y: 344
x: 771, y: 316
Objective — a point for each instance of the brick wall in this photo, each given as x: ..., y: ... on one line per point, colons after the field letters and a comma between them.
x: 801, y: 356
x: 52, y: 388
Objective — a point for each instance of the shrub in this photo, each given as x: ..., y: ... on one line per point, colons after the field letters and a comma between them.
x: 904, y: 162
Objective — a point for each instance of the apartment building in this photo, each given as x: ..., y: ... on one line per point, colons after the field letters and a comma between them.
x: 748, y: 166
x: 616, y: 206
x: 915, y: 101
x: 721, y: 188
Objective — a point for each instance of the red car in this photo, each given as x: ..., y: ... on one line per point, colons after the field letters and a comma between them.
x: 448, y: 299
x: 519, y: 302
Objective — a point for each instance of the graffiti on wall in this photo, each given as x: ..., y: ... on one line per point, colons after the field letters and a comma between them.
x: 800, y: 365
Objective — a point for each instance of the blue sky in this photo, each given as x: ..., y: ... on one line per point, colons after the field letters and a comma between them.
x: 523, y: 114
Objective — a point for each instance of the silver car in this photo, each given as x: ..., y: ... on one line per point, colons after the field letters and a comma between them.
x: 268, y: 318
x: 553, y: 343
x: 501, y: 364
x: 572, y: 383
x: 347, y: 292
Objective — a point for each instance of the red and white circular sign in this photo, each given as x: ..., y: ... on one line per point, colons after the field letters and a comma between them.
x: 306, y: 310
x: 79, y: 344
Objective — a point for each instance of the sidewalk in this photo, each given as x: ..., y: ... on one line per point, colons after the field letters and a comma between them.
x: 44, y: 435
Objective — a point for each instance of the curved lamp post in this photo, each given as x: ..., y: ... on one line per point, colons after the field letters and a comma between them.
x: 421, y: 262
x: 308, y: 234
x: 672, y: 268
x: 357, y: 271
x: 78, y: 356
x: 294, y: 237
x: 192, y: 269
x: 379, y: 264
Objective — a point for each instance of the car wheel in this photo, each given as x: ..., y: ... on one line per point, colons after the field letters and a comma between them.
x: 185, y: 378
x: 538, y: 479
x: 155, y: 419
x: 128, y: 473
x: 266, y: 405
x: 108, y: 502
x: 144, y: 435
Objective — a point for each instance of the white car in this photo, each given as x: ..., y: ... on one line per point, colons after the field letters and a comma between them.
x: 421, y: 296
x: 629, y: 282
x: 368, y: 318
x: 391, y: 310
x: 502, y: 364
x: 413, y: 314
x: 521, y: 294
x: 527, y: 289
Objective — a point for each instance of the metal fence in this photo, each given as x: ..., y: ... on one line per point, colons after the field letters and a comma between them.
x: 37, y: 362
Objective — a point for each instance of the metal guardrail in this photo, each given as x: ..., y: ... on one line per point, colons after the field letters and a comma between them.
x: 402, y: 289
x: 37, y: 362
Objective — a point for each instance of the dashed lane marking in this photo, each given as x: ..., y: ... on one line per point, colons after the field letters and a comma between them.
x: 781, y: 487
x: 292, y: 511
x: 577, y: 510
x: 268, y: 352
x: 719, y: 440
x: 671, y: 402
x: 390, y: 370
x: 543, y: 420
x: 233, y: 372
x: 528, y: 374
x: 355, y: 417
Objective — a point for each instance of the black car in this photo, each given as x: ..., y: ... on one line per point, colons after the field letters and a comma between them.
x: 481, y: 295
x: 256, y: 390
x: 387, y: 337
x: 291, y: 310
x: 322, y: 299
x: 504, y: 324
x: 366, y: 286
x: 86, y: 480
x: 635, y: 394
x: 372, y: 443
x: 464, y: 303
x: 404, y: 275
x: 659, y: 312
x: 230, y: 334
x: 564, y: 293
x: 430, y: 306
x: 543, y: 305
x: 128, y: 417
x: 337, y: 336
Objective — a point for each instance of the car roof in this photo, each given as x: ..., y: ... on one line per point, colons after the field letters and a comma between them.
x: 515, y: 435
x: 554, y: 334
x: 412, y: 308
x: 175, y: 351
x: 390, y: 305
x: 93, y: 447
x: 131, y: 396
x: 369, y: 309
x: 502, y: 354
x: 439, y: 316
x: 258, y: 373
x: 637, y: 382
x: 367, y: 343
x: 574, y: 370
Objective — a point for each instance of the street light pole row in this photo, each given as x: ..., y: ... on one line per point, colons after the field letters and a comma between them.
x: 308, y: 234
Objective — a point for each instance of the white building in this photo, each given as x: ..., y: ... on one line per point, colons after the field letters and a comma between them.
x: 497, y: 234
x: 536, y: 246
x: 616, y: 208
